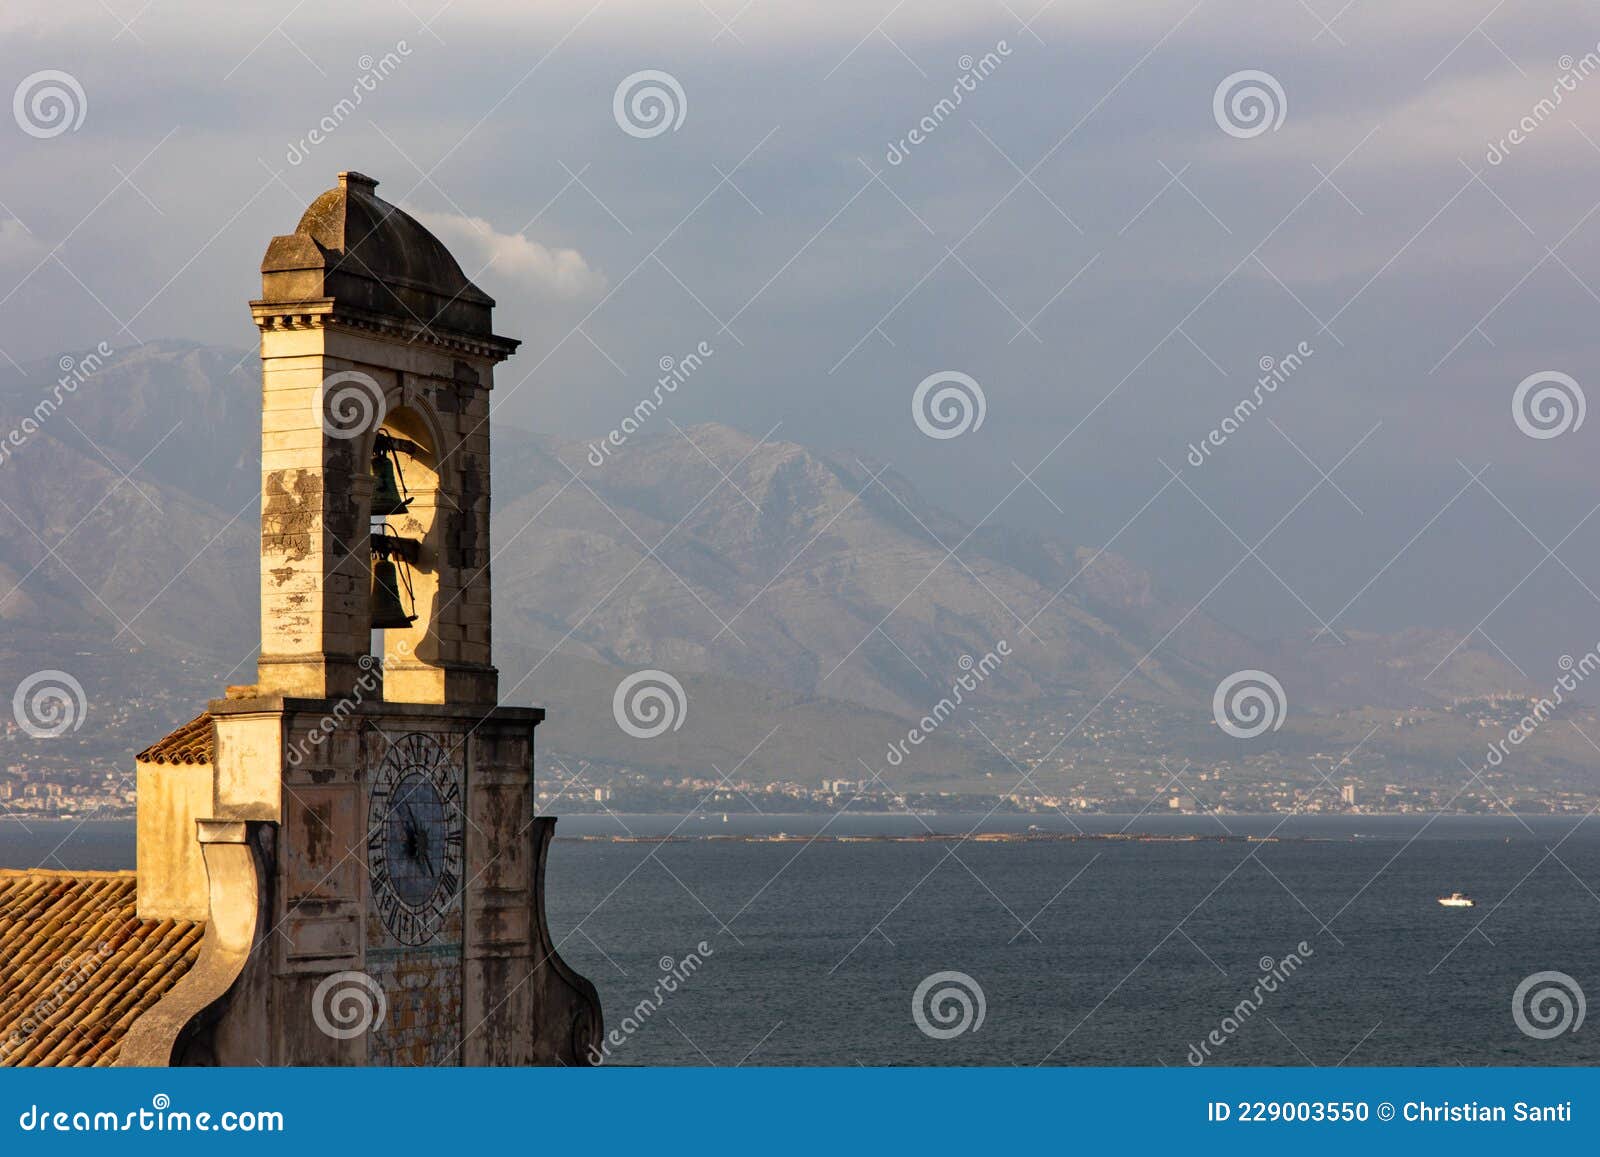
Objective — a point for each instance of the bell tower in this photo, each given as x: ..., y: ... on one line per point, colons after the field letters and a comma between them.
x: 377, y: 362
x: 365, y: 810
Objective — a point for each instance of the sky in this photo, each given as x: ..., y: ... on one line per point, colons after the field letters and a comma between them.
x: 1096, y: 235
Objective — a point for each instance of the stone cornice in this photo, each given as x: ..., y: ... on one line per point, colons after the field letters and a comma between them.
x: 326, y: 313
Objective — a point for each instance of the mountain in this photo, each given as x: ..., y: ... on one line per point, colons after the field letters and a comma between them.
x: 830, y: 577
x: 783, y: 585
x: 129, y: 504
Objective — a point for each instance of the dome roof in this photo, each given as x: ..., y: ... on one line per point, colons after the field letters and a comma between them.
x: 355, y: 247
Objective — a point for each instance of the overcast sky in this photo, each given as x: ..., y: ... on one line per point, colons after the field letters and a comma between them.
x: 1103, y: 248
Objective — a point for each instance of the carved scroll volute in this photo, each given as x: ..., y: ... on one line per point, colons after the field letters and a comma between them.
x: 237, y: 857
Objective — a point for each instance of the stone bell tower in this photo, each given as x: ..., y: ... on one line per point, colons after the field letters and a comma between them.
x: 368, y: 326
x: 367, y: 845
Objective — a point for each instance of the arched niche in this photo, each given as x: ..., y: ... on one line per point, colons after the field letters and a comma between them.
x: 412, y: 656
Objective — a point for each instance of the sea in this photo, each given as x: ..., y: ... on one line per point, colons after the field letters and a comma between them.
x: 713, y: 942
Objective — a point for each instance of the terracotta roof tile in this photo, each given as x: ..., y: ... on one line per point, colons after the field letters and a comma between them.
x: 80, y: 966
x: 194, y: 742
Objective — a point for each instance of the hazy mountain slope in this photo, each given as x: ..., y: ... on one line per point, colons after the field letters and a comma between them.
x: 83, y: 545
x: 802, y: 577
x: 730, y: 724
x: 801, y: 571
x: 189, y: 415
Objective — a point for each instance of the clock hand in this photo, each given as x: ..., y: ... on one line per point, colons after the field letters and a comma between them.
x: 412, y: 829
x: 419, y: 853
x: 415, y: 837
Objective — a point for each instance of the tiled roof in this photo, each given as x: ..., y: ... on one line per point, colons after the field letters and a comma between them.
x: 194, y: 742
x: 80, y: 966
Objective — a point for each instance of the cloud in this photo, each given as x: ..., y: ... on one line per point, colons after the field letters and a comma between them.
x: 653, y: 22
x: 17, y: 245
x: 488, y: 255
x: 844, y: 24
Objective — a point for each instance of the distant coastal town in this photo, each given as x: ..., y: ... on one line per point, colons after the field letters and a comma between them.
x: 1115, y: 765
x: 626, y: 793
x: 1118, y: 762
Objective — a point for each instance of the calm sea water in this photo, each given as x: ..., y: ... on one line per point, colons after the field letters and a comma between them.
x: 1132, y: 953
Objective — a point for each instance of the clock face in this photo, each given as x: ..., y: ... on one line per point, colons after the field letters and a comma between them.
x: 415, y: 837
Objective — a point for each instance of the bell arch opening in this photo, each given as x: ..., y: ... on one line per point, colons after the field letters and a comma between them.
x: 408, y: 513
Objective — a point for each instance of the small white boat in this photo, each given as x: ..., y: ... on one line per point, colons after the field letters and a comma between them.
x: 1457, y: 900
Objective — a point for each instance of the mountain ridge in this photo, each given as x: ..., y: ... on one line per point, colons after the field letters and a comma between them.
x: 802, y: 574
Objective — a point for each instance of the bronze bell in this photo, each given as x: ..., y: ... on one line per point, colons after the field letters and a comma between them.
x: 387, y: 611
x: 386, y: 492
